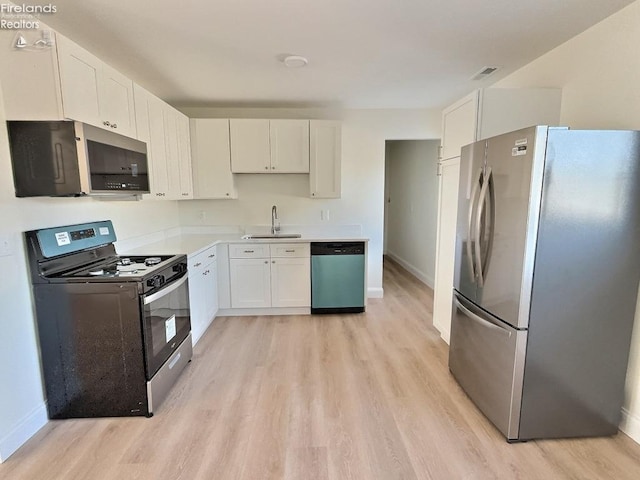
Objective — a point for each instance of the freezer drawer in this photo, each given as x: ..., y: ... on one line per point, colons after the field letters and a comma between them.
x: 486, y: 357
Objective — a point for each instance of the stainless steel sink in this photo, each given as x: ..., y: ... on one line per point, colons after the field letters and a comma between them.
x: 271, y: 235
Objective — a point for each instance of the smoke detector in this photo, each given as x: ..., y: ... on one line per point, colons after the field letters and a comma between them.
x: 295, y: 61
x: 484, y: 73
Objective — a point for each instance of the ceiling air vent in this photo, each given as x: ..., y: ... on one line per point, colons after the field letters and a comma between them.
x: 484, y: 73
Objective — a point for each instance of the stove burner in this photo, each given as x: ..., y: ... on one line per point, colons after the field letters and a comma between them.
x: 152, y: 261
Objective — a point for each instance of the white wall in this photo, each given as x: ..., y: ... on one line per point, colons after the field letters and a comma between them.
x: 22, y: 408
x: 411, y: 215
x: 363, y: 150
x: 599, y: 72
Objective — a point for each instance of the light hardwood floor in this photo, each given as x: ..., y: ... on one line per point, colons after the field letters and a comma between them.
x: 317, y: 397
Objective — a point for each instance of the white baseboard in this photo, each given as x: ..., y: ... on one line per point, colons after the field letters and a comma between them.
x: 630, y: 425
x: 245, y: 312
x: 420, y: 275
x: 23, y: 431
x: 375, y: 292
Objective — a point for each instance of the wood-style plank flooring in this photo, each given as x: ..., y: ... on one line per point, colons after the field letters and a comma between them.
x: 316, y: 397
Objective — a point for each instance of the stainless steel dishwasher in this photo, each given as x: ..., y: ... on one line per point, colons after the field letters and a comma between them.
x: 337, y: 277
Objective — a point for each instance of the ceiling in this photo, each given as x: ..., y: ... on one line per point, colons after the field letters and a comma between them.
x: 362, y: 53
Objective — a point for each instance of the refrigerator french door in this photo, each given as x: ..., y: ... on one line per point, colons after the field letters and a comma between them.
x: 546, y: 277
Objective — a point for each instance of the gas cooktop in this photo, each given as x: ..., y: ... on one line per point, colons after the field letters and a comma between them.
x: 120, y: 266
x: 124, y: 266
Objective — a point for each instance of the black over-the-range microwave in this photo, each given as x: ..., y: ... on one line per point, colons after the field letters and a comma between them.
x: 67, y: 158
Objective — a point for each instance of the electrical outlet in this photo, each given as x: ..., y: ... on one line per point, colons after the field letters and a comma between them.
x: 5, y: 245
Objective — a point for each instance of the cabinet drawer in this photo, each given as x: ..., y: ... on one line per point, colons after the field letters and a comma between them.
x: 289, y: 250
x: 203, y: 258
x: 249, y: 250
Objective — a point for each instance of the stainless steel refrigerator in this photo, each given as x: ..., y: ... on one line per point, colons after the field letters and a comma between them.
x: 546, y: 279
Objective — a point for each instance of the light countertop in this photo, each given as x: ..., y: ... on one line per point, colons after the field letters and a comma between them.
x: 192, y: 244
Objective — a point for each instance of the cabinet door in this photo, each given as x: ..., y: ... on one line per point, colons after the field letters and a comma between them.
x: 250, y: 151
x: 459, y: 125
x: 116, y: 101
x: 79, y: 77
x: 445, y: 245
x: 212, y: 291
x: 197, y: 300
x: 172, y: 151
x: 289, y: 146
x: 158, y: 165
x: 290, y: 282
x: 141, y: 108
x: 184, y: 156
x: 250, y: 282
x: 211, y: 159
x: 325, y: 158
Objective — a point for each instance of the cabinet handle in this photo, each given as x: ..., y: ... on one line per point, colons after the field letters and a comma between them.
x: 159, y: 194
x: 206, y: 272
x: 185, y: 194
x: 106, y: 123
x: 113, y: 125
x: 273, y: 168
x: 266, y: 168
x: 273, y: 261
x: 248, y: 251
x: 266, y: 261
x: 290, y: 251
x: 313, y: 194
x: 227, y: 194
x: 197, y: 264
x: 212, y: 255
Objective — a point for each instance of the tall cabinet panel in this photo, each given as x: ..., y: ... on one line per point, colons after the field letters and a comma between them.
x: 479, y: 115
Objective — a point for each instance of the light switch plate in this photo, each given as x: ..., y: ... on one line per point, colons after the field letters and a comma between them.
x: 5, y: 245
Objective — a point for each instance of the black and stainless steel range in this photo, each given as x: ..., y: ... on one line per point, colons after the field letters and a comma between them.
x: 114, y: 332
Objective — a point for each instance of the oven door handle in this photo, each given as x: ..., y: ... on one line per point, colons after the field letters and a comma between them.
x: 166, y: 290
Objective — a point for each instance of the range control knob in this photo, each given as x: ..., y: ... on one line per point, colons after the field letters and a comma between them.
x: 156, y: 281
x: 180, y: 267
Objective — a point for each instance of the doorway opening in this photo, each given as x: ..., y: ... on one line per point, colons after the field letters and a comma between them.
x: 411, y: 206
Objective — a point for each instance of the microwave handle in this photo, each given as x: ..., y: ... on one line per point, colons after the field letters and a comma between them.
x: 165, y: 291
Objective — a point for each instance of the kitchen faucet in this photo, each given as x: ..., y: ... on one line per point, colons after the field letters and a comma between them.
x: 275, y: 227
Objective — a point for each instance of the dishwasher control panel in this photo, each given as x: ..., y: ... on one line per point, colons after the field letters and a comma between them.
x: 337, y: 248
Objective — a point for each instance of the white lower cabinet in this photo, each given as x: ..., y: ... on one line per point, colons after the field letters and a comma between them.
x: 250, y: 282
x: 290, y: 282
x: 270, y: 276
x: 203, y: 291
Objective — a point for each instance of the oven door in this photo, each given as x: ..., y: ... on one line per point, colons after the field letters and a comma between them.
x: 166, y: 322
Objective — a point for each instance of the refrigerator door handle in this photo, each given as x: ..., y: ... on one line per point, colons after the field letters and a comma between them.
x: 470, y: 239
x: 481, y: 203
x: 479, y: 319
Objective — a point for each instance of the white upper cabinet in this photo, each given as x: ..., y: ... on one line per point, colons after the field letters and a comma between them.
x: 211, y: 159
x: 289, y: 146
x: 166, y: 132
x: 269, y: 146
x: 250, y: 150
x: 65, y: 82
x: 325, y: 139
x: 184, y: 155
x: 493, y: 111
x: 459, y: 125
x: 93, y: 92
